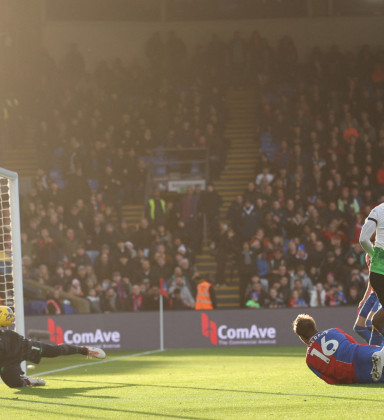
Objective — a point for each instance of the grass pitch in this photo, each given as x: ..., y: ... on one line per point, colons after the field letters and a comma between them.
x: 230, y: 383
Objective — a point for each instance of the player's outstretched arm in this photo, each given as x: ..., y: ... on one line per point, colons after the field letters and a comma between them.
x: 367, y: 231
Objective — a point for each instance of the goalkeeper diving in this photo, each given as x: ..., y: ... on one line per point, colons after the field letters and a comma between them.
x: 15, y: 349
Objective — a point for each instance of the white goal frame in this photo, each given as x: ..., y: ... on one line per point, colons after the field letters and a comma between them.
x: 17, y: 272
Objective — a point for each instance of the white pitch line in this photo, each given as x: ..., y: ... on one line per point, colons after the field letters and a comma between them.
x: 99, y: 362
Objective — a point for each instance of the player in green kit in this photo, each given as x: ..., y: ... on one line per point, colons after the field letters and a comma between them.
x: 375, y: 224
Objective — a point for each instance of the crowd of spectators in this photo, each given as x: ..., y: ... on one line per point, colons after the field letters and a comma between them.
x: 96, y: 133
x: 292, y: 235
x: 294, y: 230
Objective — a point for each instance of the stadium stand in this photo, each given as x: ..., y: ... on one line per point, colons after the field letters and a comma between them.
x: 295, y: 152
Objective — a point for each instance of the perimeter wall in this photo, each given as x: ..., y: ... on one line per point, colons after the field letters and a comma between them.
x: 187, y: 329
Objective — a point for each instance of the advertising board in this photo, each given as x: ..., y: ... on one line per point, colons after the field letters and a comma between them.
x: 187, y: 329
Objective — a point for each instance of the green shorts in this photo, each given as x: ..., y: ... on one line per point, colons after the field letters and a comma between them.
x: 377, y: 261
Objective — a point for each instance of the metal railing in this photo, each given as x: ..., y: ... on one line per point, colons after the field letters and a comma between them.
x: 173, y: 164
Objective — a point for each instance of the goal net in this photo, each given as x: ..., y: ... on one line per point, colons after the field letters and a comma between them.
x: 11, y: 283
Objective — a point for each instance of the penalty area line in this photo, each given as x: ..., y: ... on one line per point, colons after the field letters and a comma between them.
x: 144, y: 353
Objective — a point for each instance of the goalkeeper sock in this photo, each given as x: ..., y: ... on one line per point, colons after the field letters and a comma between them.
x: 363, y: 332
x: 376, y: 338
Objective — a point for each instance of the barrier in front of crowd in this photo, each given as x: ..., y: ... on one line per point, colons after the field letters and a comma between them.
x: 187, y: 329
x: 173, y: 170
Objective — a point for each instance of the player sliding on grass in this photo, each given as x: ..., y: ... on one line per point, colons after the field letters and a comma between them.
x: 336, y: 357
x: 14, y: 349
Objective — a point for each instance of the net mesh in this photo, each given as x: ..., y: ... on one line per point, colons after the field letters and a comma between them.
x: 7, y: 296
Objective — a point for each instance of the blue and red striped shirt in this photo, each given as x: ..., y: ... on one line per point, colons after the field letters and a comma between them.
x: 330, y: 355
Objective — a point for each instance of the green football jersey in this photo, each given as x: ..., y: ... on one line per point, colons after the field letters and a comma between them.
x: 377, y: 261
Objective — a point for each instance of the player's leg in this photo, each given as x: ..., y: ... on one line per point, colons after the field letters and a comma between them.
x: 378, y: 322
x: 360, y: 324
x: 376, y: 307
x: 14, y: 377
x: 377, y: 283
x: 377, y: 338
x: 362, y: 329
x: 377, y: 365
x: 369, y: 363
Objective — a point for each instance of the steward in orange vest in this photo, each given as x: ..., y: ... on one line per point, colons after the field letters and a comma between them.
x: 205, y: 297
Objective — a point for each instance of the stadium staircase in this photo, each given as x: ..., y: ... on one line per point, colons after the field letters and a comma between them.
x: 21, y: 158
x: 240, y: 167
x: 132, y: 214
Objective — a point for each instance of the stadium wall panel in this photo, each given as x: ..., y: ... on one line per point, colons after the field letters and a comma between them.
x: 187, y: 329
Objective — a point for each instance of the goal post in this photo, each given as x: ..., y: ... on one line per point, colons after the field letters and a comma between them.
x: 11, y: 275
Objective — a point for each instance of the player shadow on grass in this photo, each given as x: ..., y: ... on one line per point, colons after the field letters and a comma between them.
x: 49, y: 392
x: 53, y: 393
x: 268, y: 351
x: 282, y: 394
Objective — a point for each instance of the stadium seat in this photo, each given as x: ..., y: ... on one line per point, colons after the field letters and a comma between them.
x: 55, y: 174
x: 93, y: 184
x: 272, y: 97
x: 160, y: 170
x: 61, y: 183
x: 268, y: 146
x: 287, y: 89
x: 36, y: 307
x: 59, y: 152
x: 265, y: 136
x: 92, y: 255
x: 195, y: 169
x: 173, y: 163
x: 145, y: 159
x: 160, y: 164
x: 69, y: 309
